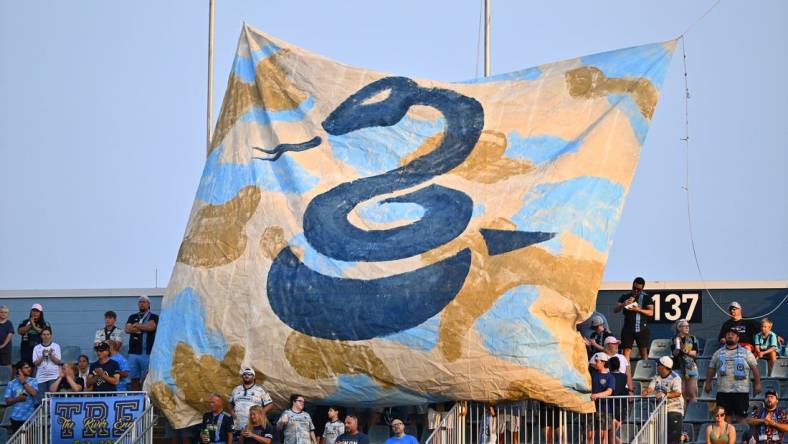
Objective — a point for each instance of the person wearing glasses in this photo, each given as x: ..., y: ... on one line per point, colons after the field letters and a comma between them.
x: 296, y: 423
x: 746, y: 328
x: 720, y: 432
x: 637, y: 307
x: 104, y: 372
x: 19, y: 394
x: 400, y: 437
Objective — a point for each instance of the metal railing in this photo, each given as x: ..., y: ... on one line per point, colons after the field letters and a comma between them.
x: 37, y: 430
x: 141, y: 431
x: 655, y: 429
x: 619, y: 419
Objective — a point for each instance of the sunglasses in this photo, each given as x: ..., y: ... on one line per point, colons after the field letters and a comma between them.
x: 719, y: 415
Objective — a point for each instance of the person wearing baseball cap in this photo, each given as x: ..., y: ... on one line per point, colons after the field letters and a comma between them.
x: 746, y: 328
x: 733, y: 365
x: 667, y: 384
x: 244, y: 396
x: 603, y: 384
x: 30, y: 329
x: 611, y: 348
x: 595, y: 340
x: 141, y: 328
x: 770, y: 422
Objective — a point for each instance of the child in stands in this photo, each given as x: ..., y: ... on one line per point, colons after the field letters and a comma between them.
x: 766, y: 344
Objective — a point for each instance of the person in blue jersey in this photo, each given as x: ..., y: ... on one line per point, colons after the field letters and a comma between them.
x: 603, y: 383
x: 667, y: 384
x: 296, y: 423
x: 766, y: 344
x: 19, y: 394
x: 352, y: 434
x: 123, y: 364
x: 400, y: 437
x: 637, y: 307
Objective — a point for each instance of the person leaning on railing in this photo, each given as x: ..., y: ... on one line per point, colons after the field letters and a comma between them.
x: 667, y: 384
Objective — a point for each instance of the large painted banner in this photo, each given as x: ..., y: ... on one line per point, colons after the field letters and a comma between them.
x: 368, y: 239
x: 96, y: 419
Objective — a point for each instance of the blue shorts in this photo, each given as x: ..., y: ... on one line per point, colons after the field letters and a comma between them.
x: 138, y: 366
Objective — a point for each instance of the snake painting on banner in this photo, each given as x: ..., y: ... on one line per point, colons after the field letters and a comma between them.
x: 373, y: 240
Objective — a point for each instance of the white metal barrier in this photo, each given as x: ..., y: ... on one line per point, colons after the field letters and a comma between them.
x: 619, y: 419
x: 37, y: 430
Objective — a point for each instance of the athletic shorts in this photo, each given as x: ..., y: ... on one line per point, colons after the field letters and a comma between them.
x: 628, y: 338
x: 675, y: 424
x: 734, y: 403
x: 138, y: 366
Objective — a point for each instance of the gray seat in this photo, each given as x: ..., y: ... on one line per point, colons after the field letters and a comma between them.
x: 645, y: 370
x: 70, y: 353
x: 659, y: 348
x: 703, y: 366
x: 689, y: 429
x: 628, y: 431
x: 712, y: 396
x: 697, y: 413
x: 780, y: 370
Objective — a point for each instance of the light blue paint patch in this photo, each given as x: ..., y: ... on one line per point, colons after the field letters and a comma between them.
x: 317, y: 261
x: 362, y: 391
x: 538, y: 149
x: 648, y: 61
x: 553, y: 246
x: 381, y: 212
x: 523, y: 74
x: 511, y: 332
x: 265, y: 117
x: 423, y: 337
x: 375, y: 150
x: 587, y: 206
x: 243, y: 67
x: 182, y: 319
x: 478, y: 210
x: 221, y: 182
x: 631, y: 109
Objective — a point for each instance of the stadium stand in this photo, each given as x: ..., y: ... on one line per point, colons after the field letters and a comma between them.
x: 659, y: 348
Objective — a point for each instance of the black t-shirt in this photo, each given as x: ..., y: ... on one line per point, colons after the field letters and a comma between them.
x: 112, y: 368
x: 643, y: 300
x: 266, y: 431
x: 66, y: 387
x: 347, y: 438
x: 136, y: 339
x: 747, y: 329
x: 217, y: 432
x: 32, y: 337
x: 6, y: 328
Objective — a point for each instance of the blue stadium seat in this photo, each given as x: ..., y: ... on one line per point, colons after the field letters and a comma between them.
x: 712, y: 345
x: 659, y: 348
x: 70, y: 353
x: 5, y: 375
x: 697, y: 413
x: 645, y: 370
x: 703, y: 366
x: 762, y: 367
x: 768, y: 384
x: 689, y: 430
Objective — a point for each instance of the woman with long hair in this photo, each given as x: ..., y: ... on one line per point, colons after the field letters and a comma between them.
x: 83, y: 370
x: 30, y: 330
x: 720, y: 432
x: 685, y: 351
x: 258, y: 429
x: 46, y: 359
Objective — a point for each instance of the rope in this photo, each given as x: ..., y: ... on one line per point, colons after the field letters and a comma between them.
x: 700, y: 18
x: 479, y: 38
x: 686, y: 186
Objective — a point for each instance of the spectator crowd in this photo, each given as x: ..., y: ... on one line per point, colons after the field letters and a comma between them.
x: 243, y: 415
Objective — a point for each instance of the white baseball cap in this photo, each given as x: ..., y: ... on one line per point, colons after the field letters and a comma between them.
x: 665, y: 361
x: 599, y: 356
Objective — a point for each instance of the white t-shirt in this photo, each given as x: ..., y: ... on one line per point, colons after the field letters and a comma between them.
x: 243, y: 399
x: 47, y: 370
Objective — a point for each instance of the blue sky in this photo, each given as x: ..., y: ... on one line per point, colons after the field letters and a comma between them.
x: 102, y: 121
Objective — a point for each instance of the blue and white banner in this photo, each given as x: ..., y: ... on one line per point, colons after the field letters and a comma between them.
x: 99, y: 419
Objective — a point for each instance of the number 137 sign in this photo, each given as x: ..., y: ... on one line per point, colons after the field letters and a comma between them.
x: 672, y: 305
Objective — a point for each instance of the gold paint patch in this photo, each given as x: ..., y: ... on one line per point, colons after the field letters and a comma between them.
x: 316, y: 358
x: 216, y: 234
x: 190, y: 373
x: 485, y: 164
x: 492, y: 276
x: 590, y: 82
x: 239, y: 98
x: 163, y: 397
x: 272, y: 242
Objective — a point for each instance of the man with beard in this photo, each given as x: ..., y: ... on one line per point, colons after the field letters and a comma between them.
x: 746, y: 328
x: 769, y: 423
x: 733, y: 364
x: 141, y: 328
x: 19, y: 394
x: 244, y: 396
x: 637, y: 307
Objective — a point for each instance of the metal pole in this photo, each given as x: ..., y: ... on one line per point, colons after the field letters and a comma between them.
x: 211, y: 8
x: 486, y: 38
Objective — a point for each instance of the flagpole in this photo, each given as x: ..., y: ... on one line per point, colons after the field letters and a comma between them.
x: 209, y: 133
x: 486, y: 38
